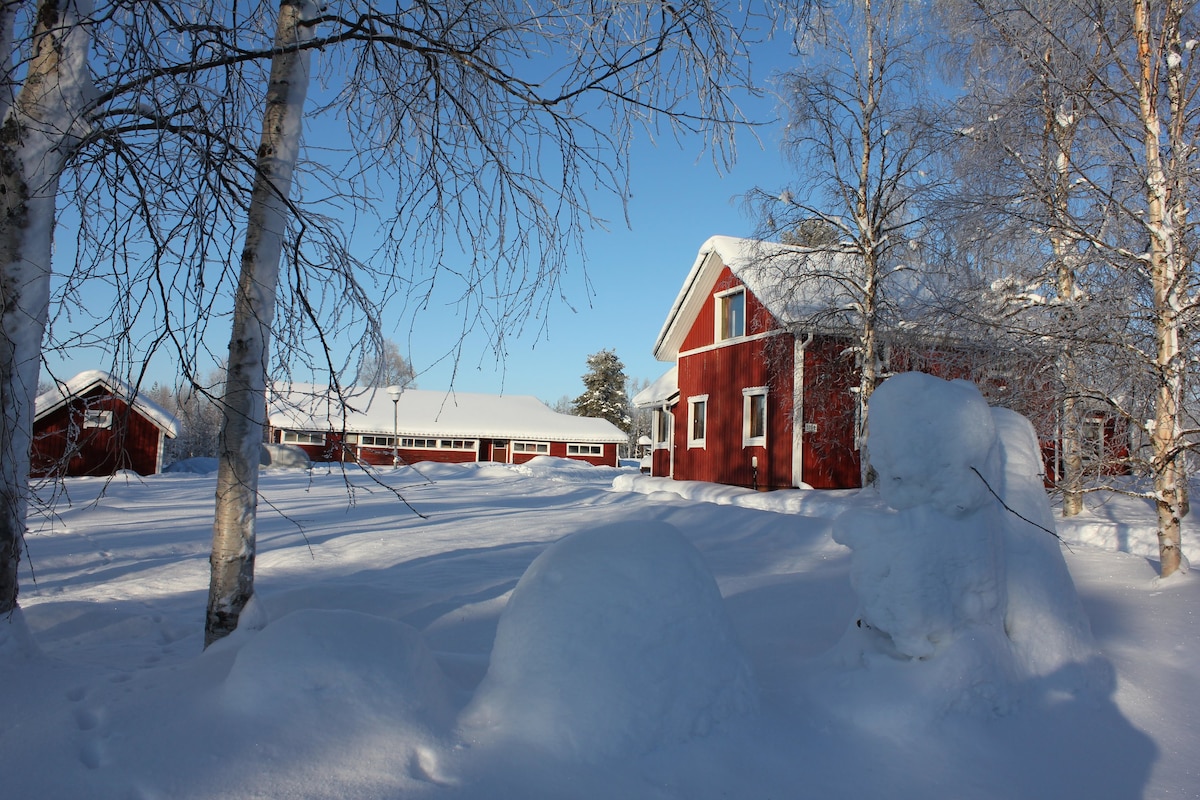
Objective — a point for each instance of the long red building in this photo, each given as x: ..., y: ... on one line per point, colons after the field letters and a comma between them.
x: 369, y: 426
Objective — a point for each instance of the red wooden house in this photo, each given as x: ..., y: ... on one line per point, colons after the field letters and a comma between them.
x: 96, y: 424
x: 763, y: 391
x: 367, y: 426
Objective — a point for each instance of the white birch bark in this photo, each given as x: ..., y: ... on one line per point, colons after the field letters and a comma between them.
x: 1167, y: 280
x: 233, y: 550
x: 1060, y: 134
x: 42, y: 124
x: 868, y: 227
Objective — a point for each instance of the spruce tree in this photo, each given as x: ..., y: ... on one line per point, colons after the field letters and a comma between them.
x: 604, y: 390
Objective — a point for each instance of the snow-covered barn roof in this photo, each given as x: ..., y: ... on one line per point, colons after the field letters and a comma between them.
x: 767, y: 269
x: 795, y: 284
x: 306, y: 407
x: 664, y: 390
x: 85, y: 381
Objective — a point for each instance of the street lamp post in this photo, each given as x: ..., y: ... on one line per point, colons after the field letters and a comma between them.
x: 395, y: 391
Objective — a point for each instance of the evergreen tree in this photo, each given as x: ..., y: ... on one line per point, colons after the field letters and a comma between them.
x: 604, y: 390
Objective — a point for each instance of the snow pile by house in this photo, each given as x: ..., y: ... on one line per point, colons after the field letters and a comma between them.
x: 565, y: 470
x: 964, y: 600
x: 615, y: 641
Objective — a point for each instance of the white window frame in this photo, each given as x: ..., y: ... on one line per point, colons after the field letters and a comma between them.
x: 749, y: 394
x: 97, y: 419
x: 1091, y: 437
x: 376, y: 440
x: 664, y: 420
x: 301, y: 437
x: 537, y: 448
x: 581, y: 449
x: 435, y: 443
x: 720, y: 304
x: 693, y: 402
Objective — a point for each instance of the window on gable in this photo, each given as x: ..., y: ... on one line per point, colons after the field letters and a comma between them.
x: 731, y: 314
x: 97, y: 419
x: 697, y: 420
x: 754, y: 416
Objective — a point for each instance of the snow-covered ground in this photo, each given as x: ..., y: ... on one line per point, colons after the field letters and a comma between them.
x: 622, y: 669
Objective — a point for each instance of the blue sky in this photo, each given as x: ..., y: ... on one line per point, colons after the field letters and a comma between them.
x: 679, y: 198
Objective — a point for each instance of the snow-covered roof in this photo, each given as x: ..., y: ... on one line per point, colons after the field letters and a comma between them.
x: 770, y: 271
x: 306, y: 407
x: 83, y: 383
x: 663, y: 390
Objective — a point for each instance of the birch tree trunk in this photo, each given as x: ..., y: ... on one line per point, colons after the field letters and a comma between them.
x: 42, y: 124
x: 869, y: 226
x: 233, y: 550
x: 1060, y: 124
x: 1182, y: 139
x: 1168, y: 283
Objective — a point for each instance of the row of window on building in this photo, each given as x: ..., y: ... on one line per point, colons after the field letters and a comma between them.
x: 416, y: 443
x: 754, y: 420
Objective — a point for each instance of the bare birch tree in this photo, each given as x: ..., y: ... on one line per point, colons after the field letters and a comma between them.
x: 1121, y: 130
x: 1169, y: 158
x: 493, y: 120
x: 1021, y: 122
x: 43, y: 121
x: 859, y: 140
x: 244, y: 402
x: 138, y: 137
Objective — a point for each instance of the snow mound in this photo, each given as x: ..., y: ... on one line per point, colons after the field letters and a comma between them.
x: 566, y: 470
x: 964, y: 599
x: 614, y: 642
x: 16, y: 640
x: 284, y: 456
x: 337, y: 663
x: 193, y: 466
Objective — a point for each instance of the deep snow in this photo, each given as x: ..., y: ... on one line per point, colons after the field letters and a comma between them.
x: 359, y: 671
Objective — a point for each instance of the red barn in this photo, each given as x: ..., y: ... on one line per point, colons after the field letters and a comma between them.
x: 762, y: 396
x: 366, y: 426
x: 96, y: 424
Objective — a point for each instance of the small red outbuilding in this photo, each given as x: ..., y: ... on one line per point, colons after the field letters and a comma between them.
x: 96, y: 424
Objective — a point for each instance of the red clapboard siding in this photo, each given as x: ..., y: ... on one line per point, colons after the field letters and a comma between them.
x: 722, y: 373
x: 830, y: 408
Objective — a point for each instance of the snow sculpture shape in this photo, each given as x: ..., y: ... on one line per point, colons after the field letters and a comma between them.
x: 615, y: 640
x: 340, y: 664
x: 284, y: 456
x: 951, y: 565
